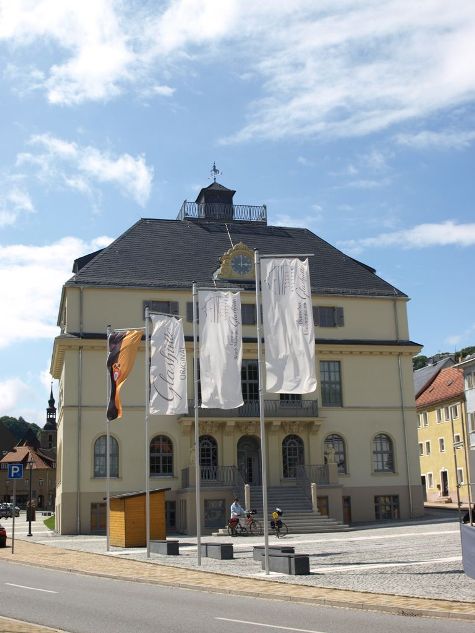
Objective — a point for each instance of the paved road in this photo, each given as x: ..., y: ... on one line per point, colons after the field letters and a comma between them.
x: 81, y: 604
x: 380, y: 564
x: 420, y: 559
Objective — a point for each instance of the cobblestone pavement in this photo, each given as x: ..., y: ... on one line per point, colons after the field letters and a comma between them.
x: 412, y: 568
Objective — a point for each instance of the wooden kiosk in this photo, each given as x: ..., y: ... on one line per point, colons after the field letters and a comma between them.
x: 127, y: 518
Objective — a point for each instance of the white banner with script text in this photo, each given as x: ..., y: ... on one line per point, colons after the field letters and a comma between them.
x: 220, y: 349
x: 288, y: 326
x: 168, y: 395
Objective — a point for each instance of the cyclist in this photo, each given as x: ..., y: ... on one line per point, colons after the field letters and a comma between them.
x: 276, y: 520
x: 237, y: 511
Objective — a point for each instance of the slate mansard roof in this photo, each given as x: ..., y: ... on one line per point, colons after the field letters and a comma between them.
x: 157, y: 253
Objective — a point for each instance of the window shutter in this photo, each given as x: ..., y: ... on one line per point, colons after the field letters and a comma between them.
x: 339, y: 319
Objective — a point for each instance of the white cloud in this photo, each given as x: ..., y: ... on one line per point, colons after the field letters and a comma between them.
x: 12, y: 392
x: 31, y: 278
x: 334, y: 68
x: 82, y: 168
x: 446, y: 233
x: 89, y: 32
x: 13, y: 202
x: 447, y: 139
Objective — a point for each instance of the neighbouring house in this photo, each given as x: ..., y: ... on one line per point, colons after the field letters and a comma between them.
x: 468, y: 367
x: 38, y: 456
x: 355, y: 437
x: 440, y: 430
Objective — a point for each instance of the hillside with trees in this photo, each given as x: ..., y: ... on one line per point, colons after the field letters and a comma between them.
x: 420, y: 360
x: 18, y: 426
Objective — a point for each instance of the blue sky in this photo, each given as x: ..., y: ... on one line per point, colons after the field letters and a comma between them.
x: 353, y: 118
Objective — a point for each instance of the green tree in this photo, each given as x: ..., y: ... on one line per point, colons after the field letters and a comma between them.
x: 18, y: 426
x: 419, y: 361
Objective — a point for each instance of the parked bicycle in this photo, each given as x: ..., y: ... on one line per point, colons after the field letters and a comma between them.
x: 278, y: 527
x: 244, y: 526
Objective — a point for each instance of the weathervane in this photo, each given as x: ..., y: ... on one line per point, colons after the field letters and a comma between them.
x: 215, y: 171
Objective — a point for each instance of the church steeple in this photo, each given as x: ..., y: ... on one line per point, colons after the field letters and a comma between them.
x: 50, y: 413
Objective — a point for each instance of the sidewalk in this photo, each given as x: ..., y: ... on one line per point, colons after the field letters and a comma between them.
x: 241, y: 576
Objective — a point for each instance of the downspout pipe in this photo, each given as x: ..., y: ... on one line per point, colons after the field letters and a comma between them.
x: 403, y: 410
x: 79, y: 413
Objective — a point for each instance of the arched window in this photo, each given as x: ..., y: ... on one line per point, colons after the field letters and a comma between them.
x: 161, y: 455
x: 383, y: 454
x: 208, y: 457
x: 100, y: 452
x: 335, y: 452
x: 292, y: 455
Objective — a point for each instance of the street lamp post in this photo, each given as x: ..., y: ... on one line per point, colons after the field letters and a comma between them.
x: 30, y: 509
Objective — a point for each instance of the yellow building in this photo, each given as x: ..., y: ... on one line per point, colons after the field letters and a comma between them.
x: 355, y: 438
x: 441, y: 420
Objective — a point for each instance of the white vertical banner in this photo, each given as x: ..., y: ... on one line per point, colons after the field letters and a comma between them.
x: 288, y: 326
x: 168, y: 376
x: 220, y: 331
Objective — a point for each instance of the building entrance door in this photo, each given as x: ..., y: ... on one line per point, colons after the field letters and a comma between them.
x: 249, y: 460
x: 444, y: 483
x: 424, y: 488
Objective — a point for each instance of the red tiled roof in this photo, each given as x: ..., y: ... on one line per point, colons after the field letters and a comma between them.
x: 23, y: 454
x: 446, y: 386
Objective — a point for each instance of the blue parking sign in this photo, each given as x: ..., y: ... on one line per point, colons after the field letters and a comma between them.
x: 15, y: 471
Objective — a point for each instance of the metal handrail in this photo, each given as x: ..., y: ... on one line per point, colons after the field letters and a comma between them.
x: 272, y: 409
x: 222, y: 211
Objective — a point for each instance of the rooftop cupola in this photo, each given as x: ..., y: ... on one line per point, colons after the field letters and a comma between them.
x: 215, y: 203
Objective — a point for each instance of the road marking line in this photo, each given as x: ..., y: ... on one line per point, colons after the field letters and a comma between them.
x: 11, y: 584
x: 362, y: 567
x: 272, y: 626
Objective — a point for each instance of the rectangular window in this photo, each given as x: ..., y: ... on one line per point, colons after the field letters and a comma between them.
x: 430, y: 480
x: 457, y: 440
x: 330, y: 383
x: 421, y: 448
x: 419, y: 421
x: 164, y: 307
x: 446, y: 413
x: 386, y: 507
x: 248, y: 314
x: 423, y: 419
x: 454, y: 411
x: 189, y: 312
x: 459, y: 476
x: 427, y: 448
x: 469, y: 381
x: 250, y: 380
x: 441, y: 445
x: 471, y: 421
x: 439, y: 416
x: 324, y: 316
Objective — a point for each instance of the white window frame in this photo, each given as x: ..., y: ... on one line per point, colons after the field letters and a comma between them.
x: 460, y: 478
x: 469, y: 381
x: 430, y: 480
x: 447, y: 414
x: 427, y: 447
x: 441, y: 444
x: 457, y: 438
x: 454, y: 411
x: 421, y: 448
x: 471, y: 422
x: 439, y: 416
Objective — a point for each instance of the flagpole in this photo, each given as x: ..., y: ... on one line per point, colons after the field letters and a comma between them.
x: 197, y: 422
x: 147, y: 449
x: 257, y: 267
x: 108, y: 485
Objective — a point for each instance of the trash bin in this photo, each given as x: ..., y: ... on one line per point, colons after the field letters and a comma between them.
x: 31, y: 514
x: 3, y: 536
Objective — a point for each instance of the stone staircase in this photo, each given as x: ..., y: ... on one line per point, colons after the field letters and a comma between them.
x: 296, y: 508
